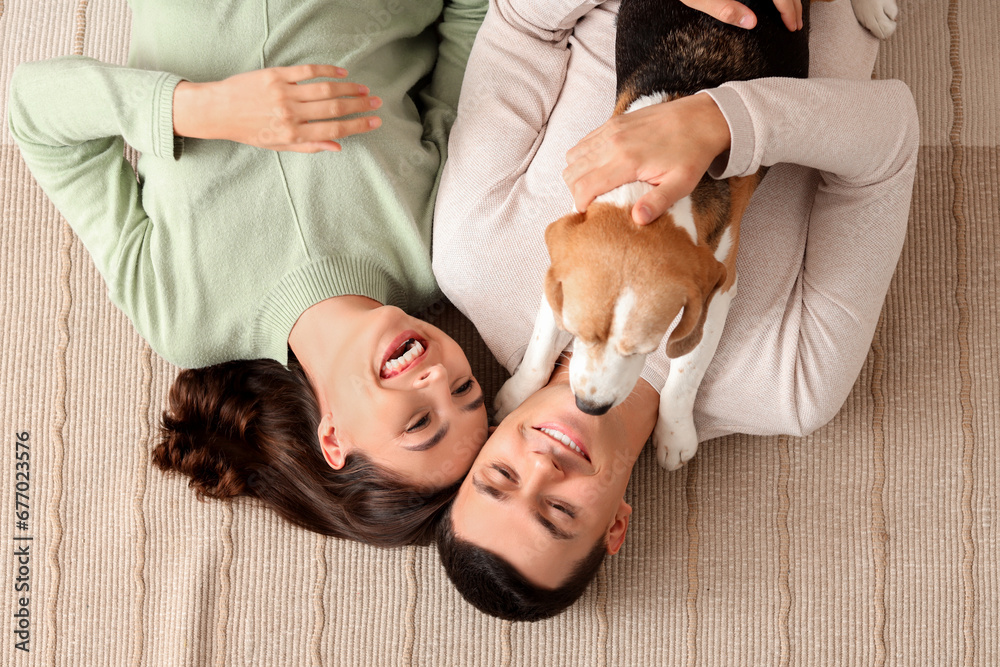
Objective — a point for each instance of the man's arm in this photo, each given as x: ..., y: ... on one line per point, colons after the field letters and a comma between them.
x: 482, y: 237
x: 514, y: 76
x: 813, y: 272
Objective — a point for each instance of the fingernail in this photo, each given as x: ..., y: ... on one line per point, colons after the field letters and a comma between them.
x: 374, y: 122
x: 645, y: 215
x: 363, y: 90
x: 746, y: 21
x: 341, y: 71
x: 375, y: 102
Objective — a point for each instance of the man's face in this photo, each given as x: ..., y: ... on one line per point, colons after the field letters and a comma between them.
x: 549, y: 483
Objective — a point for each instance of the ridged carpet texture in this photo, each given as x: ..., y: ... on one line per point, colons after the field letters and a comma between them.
x: 872, y: 542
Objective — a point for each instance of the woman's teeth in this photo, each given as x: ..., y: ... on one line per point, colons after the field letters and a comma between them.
x: 402, y: 361
x: 564, y: 439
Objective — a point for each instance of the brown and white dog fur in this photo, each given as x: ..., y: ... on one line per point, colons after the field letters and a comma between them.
x: 618, y: 287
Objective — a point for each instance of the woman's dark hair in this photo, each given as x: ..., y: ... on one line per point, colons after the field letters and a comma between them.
x: 495, y: 587
x: 249, y: 428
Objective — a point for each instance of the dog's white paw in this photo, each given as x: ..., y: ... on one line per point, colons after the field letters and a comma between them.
x: 514, y: 391
x: 879, y: 16
x: 676, y: 441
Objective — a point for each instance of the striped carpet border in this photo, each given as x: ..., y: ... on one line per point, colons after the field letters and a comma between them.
x: 505, y: 647
x: 691, y: 495
x: 411, y: 606
x: 54, y: 518
x: 54, y: 514
x: 880, y: 537
x: 784, y: 553
x: 962, y: 333
x: 319, y: 609
x: 225, y: 584
x: 138, y: 517
x: 602, y: 614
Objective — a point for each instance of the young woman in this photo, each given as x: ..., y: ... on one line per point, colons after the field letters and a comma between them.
x: 276, y: 261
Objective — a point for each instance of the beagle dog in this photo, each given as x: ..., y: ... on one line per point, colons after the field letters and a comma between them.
x: 619, y: 288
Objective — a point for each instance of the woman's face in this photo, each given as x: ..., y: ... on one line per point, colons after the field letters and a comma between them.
x: 401, y: 391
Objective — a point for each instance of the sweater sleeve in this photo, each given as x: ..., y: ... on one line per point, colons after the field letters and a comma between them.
x: 70, y: 117
x: 514, y: 77
x: 813, y: 271
x: 489, y: 255
x: 850, y: 130
x: 460, y: 22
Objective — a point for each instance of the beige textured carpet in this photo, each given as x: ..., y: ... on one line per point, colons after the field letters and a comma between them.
x: 875, y: 541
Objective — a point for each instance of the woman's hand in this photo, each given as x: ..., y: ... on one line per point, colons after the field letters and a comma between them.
x: 269, y: 108
x: 669, y: 145
x: 735, y: 13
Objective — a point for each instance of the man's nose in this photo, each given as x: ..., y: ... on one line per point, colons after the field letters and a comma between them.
x: 542, y: 469
x: 546, y: 465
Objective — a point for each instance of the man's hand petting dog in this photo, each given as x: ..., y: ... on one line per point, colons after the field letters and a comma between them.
x: 669, y: 145
x: 735, y: 13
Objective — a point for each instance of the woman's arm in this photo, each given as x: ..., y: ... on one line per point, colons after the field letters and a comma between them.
x: 274, y: 108
x: 459, y: 26
x: 70, y: 117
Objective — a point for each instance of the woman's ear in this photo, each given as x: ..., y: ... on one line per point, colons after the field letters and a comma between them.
x: 332, y: 450
x: 616, y: 534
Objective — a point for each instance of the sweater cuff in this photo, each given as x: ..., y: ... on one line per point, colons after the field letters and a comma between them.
x: 165, y: 144
x: 738, y: 160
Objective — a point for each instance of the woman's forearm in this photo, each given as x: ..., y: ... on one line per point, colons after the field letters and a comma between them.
x: 274, y: 108
x: 71, y: 118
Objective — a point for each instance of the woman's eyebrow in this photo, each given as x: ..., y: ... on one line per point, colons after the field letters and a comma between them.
x: 433, y: 440
x: 475, y: 405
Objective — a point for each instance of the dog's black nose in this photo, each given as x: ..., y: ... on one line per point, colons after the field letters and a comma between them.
x: 591, y: 408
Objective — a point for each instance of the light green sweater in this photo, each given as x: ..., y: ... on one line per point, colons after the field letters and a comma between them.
x: 220, y: 247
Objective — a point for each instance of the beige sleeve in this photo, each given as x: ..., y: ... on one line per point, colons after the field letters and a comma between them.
x: 819, y: 246
x: 501, y: 185
x: 821, y: 238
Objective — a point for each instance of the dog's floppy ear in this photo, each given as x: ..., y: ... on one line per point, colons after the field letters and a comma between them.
x: 687, y: 334
x: 554, y: 295
x: 555, y: 233
x: 556, y: 237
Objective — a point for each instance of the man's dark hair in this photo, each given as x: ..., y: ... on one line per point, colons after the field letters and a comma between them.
x: 495, y: 587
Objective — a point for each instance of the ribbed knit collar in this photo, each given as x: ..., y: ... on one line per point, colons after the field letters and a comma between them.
x: 308, y: 285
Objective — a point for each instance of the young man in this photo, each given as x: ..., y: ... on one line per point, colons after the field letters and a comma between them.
x: 533, y: 518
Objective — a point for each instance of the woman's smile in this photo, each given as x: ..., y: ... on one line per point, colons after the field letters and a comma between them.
x: 404, y: 353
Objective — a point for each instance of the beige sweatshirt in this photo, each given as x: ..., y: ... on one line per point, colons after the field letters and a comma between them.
x: 819, y: 242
